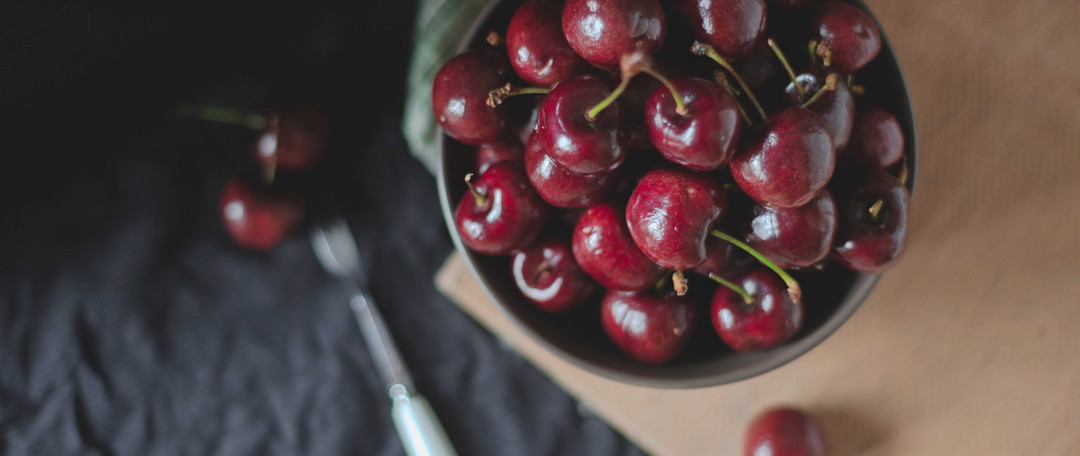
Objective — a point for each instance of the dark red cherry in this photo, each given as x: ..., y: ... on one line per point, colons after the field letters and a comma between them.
x: 460, y: 92
x: 836, y: 107
x: 258, y: 219
x: 783, y: 431
x: 768, y: 320
x: 601, y: 31
x: 562, y: 188
x: 670, y: 214
x: 578, y: 144
x: 604, y: 249
x: 790, y: 5
x: 725, y: 260
x: 786, y: 161
x: 733, y: 27
x: 873, y: 212
x: 489, y: 153
x: 759, y: 68
x: 294, y: 138
x: 648, y: 327
x: 850, y: 35
x: 876, y: 136
x: 706, y: 135
x: 537, y: 47
x: 501, y: 212
x: 796, y: 237
x: 547, y: 275
x: 632, y: 104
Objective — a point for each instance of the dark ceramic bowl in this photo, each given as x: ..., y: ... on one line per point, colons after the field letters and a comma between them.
x: 830, y: 296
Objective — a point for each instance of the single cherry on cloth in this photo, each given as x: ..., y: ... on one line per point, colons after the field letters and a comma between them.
x: 562, y: 188
x: 876, y: 136
x: 604, y: 249
x: 786, y: 161
x: 836, y: 107
x: 294, y: 139
x: 490, y: 153
x: 547, y: 275
x: 733, y: 27
x: 649, y: 327
x: 703, y: 137
x: 764, y: 317
x: 602, y: 31
x: 670, y: 215
x: 258, y: 219
x: 847, y: 37
x: 873, y: 212
x: 537, y: 47
x: 460, y: 92
x: 582, y: 145
x: 796, y: 237
x: 501, y: 212
x: 783, y: 431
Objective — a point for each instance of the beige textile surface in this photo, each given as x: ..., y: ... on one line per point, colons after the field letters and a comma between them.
x: 971, y: 345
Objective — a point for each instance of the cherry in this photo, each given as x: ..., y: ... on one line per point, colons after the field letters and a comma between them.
x: 703, y: 137
x: 876, y: 136
x: 670, y: 215
x: 724, y: 259
x: 537, y: 47
x: 791, y: 5
x: 489, y: 153
x: 786, y: 161
x: 836, y: 106
x: 602, y: 31
x: 460, y: 92
x: 783, y: 431
x: 797, y: 237
x: 604, y: 249
x: 578, y: 143
x: 562, y: 188
x: 873, y: 211
x: 500, y: 212
x: 733, y: 27
x: 547, y: 275
x: 847, y: 37
x: 255, y: 218
x: 294, y: 139
x: 755, y: 312
x: 648, y: 327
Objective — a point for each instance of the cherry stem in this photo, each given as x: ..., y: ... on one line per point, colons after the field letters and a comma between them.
x: 539, y: 271
x: 830, y: 84
x: 498, y: 96
x: 731, y: 286
x: 268, y: 172
x: 699, y: 48
x: 481, y: 199
x: 223, y: 115
x: 679, y: 282
x: 822, y: 50
x: 902, y: 176
x: 591, y: 114
x: 875, y: 209
x: 793, y: 286
x: 787, y: 67
x: 812, y: 47
x: 661, y: 284
x: 680, y: 107
x: 494, y: 39
x: 721, y: 80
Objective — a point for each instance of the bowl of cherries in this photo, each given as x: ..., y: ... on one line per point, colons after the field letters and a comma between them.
x: 676, y: 193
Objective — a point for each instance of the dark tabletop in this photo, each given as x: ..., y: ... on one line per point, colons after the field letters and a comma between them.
x: 129, y: 322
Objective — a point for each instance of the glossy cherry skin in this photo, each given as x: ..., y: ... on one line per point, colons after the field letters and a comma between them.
x: 769, y: 321
x: 578, y: 144
x: 604, y: 249
x: 602, y: 31
x: 257, y: 219
x: 459, y: 96
x: 706, y: 136
x: 294, y: 138
x: 790, y: 5
x: 783, y: 431
x: 670, y: 214
x: 632, y: 104
x: 836, y: 107
x: 511, y: 216
x: 786, y: 161
x: 796, y: 237
x: 863, y: 242
x: 733, y: 27
x: 876, y: 136
x: 648, y: 327
x: 562, y: 188
x: 490, y: 153
x: 850, y: 34
x: 537, y: 47
x: 547, y: 275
